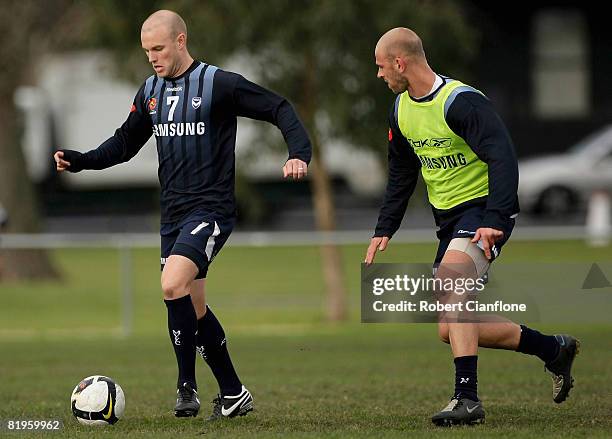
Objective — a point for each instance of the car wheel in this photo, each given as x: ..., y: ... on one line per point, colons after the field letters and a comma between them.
x: 556, y: 200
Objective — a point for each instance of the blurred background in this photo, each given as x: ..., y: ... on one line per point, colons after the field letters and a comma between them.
x: 79, y: 253
x: 71, y: 70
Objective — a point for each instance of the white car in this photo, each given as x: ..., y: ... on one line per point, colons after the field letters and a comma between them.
x: 562, y: 183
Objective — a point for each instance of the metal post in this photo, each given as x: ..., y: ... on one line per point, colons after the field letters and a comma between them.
x: 127, y: 311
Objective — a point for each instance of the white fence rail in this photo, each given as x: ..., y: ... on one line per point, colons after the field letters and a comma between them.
x: 265, y: 239
x: 124, y: 243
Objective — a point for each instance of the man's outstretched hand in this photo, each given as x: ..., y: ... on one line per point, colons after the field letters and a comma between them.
x: 295, y: 168
x: 67, y: 160
x: 377, y: 243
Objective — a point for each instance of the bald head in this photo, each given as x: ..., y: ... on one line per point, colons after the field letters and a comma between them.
x: 402, y: 42
x: 402, y: 64
x: 165, y: 21
x: 164, y: 40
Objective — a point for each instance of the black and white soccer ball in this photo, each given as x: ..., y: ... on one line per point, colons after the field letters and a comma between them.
x: 97, y: 400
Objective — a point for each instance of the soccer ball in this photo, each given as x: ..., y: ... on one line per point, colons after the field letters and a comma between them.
x: 97, y: 400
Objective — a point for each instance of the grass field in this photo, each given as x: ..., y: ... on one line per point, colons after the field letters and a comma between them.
x: 309, y: 378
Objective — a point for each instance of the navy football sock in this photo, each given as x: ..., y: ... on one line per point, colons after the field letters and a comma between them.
x: 532, y: 342
x: 182, y: 327
x: 466, y: 377
x: 212, y: 345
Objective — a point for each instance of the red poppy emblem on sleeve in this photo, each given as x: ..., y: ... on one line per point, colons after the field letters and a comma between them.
x: 133, y: 108
x: 390, y: 135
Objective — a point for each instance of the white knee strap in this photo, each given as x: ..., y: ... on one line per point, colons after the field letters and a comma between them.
x: 466, y: 246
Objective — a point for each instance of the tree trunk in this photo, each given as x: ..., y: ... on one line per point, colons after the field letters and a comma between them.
x: 322, y: 197
x: 18, y: 198
x: 331, y: 258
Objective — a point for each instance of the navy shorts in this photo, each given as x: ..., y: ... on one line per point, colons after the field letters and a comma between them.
x: 463, y: 223
x: 198, y: 236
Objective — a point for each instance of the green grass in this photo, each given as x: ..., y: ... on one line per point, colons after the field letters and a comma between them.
x: 309, y: 378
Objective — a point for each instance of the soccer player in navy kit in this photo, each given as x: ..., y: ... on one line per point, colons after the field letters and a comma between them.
x: 191, y: 108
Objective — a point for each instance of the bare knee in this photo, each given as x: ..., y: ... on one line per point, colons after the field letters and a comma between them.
x: 178, y: 274
x: 173, y: 288
x: 443, y: 333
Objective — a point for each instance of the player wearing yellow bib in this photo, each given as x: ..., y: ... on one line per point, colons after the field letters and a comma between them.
x: 450, y: 133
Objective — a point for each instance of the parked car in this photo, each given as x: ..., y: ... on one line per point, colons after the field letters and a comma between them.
x: 562, y: 183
